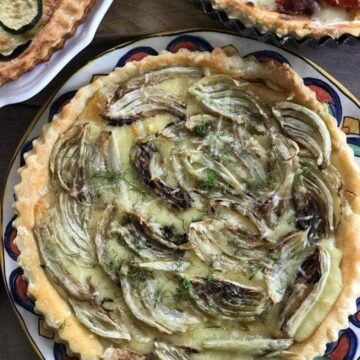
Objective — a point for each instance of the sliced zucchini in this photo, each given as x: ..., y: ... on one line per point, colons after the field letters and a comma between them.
x: 11, y: 46
x: 19, y: 16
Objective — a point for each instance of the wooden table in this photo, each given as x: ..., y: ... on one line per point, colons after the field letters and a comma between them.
x: 125, y: 19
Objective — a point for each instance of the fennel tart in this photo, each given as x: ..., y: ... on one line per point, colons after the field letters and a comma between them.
x: 192, y: 206
x: 32, y: 30
x: 307, y: 18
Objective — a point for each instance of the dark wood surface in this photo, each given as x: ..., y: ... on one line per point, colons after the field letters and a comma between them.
x: 126, y: 19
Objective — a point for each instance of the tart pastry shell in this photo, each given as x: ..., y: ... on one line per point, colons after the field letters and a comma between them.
x: 284, y: 25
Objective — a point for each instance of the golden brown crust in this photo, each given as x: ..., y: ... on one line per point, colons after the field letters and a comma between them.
x: 35, y: 176
x: 60, y: 21
x: 298, y: 26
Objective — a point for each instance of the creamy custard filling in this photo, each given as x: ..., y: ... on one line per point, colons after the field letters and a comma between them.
x: 194, y: 221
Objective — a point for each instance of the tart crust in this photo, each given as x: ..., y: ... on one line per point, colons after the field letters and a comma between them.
x: 64, y: 17
x: 35, y: 179
x: 282, y: 24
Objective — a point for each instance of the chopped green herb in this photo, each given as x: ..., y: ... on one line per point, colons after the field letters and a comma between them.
x: 255, y: 270
x: 210, y: 279
x: 222, y: 157
x: 273, y: 255
x: 202, y: 128
x: 106, y: 175
x: 235, y: 245
x: 209, y: 182
x: 157, y: 298
x: 269, y: 182
x: 137, y: 276
x: 306, y: 168
x: 186, y: 283
x: 291, y: 221
x: 115, y: 176
x: 182, y: 292
x: 112, y: 266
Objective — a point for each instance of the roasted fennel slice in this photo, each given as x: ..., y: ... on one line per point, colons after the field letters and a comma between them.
x: 66, y: 225
x: 82, y: 160
x: 94, y: 316
x: 317, y: 199
x: 221, y: 94
x: 150, y: 295
x: 251, y: 346
x: 226, y: 299
x: 141, y: 96
x: 226, y: 246
x: 142, y: 102
x: 120, y: 235
x: 54, y: 260
x: 306, y: 128
x: 146, y: 158
x: 165, y: 351
x: 110, y: 252
x: 289, y: 254
x: 306, y: 291
x: 70, y: 223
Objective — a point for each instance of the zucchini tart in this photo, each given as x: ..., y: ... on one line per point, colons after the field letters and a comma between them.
x: 298, y: 18
x: 31, y: 30
x: 192, y: 206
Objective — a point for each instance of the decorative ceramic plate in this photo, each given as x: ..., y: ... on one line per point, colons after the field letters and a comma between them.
x: 342, y: 105
x: 31, y: 83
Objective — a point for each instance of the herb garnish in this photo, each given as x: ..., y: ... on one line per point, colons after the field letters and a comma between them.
x: 186, y: 283
x: 115, y: 176
x: 210, y: 279
x: 273, y: 256
x: 137, y: 276
x: 182, y: 292
x: 267, y: 183
x: 210, y: 181
x: 202, y: 128
x: 306, y: 168
x: 255, y: 270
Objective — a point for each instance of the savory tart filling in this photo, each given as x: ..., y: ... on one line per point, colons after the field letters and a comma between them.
x: 189, y: 213
x: 30, y: 30
x: 299, y: 18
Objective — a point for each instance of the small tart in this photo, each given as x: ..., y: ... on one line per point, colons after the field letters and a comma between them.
x: 54, y: 22
x: 317, y: 20
x: 192, y: 206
